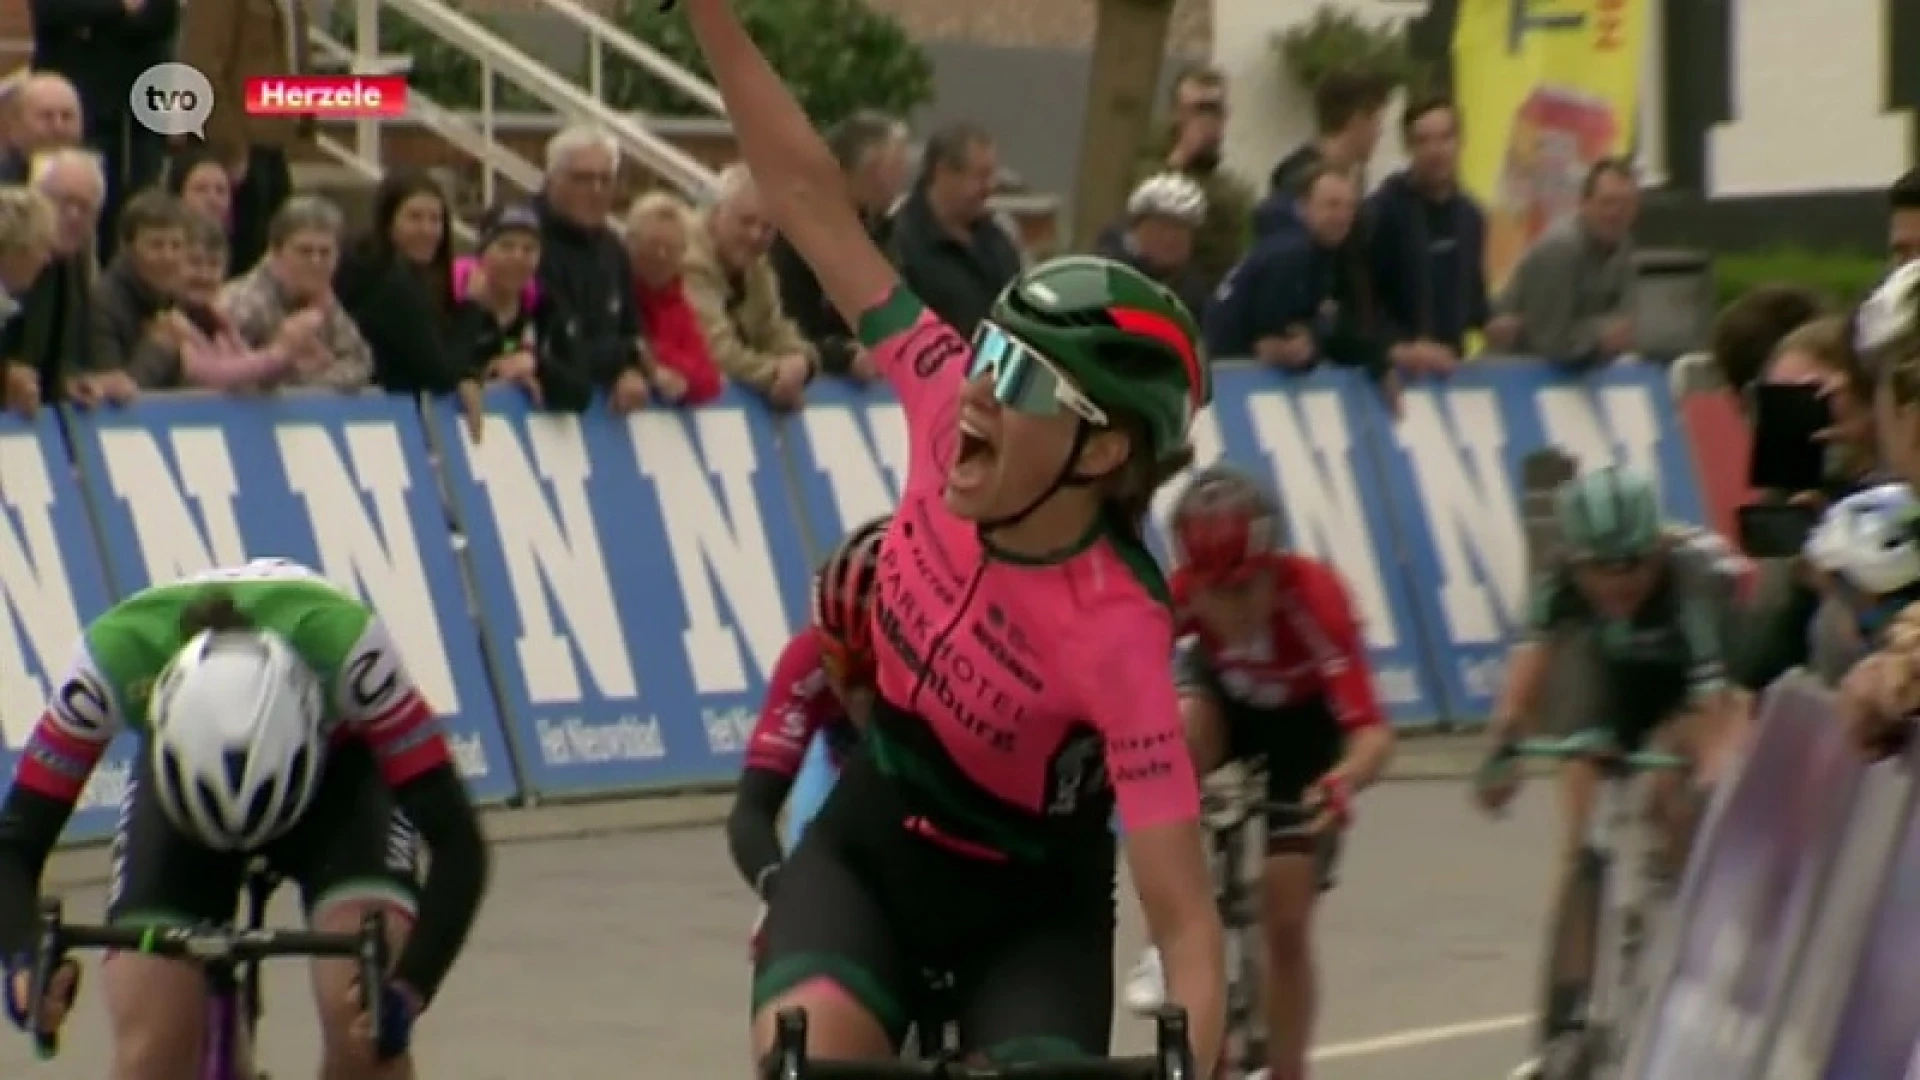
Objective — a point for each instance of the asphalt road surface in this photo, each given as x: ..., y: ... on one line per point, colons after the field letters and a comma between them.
x: 611, y: 956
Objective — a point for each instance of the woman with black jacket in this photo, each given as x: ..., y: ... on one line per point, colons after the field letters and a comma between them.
x: 397, y: 284
x: 505, y: 330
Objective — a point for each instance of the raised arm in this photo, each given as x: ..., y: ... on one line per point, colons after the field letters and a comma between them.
x: 798, y: 178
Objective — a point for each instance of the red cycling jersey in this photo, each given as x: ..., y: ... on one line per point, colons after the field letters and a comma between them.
x: 1311, y: 649
x: 800, y: 704
x: 1013, y: 693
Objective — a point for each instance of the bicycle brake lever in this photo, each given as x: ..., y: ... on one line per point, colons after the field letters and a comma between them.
x: 46, y: 961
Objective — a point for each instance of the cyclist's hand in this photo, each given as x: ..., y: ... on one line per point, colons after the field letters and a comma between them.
x: 1331, y: 800
x: 391, y: 1033
x: 1863, y: 700
x: 60, y: 994
x: 1497, y: 780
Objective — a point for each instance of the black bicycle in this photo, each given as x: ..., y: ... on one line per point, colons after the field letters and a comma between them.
x: 1239, y: 824
x: 1172, y: 1059
x: 229, y: 959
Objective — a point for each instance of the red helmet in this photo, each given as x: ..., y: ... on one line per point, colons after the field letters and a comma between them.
x: 1224, y: 525
x: 843, y: 589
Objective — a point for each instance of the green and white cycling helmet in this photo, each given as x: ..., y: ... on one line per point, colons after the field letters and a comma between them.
x: 235, y: 741
x: 1102, y: 340
x: 1611, y: 514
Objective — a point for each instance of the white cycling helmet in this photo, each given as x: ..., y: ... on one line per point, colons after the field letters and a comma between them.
x: 235, y: 739
x: 1169, y: 195
x: 1866, y: 539
x: 1890, y: 313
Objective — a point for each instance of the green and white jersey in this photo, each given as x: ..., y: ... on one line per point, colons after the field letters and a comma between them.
x: 123, y: 652
x: 1681, y: 625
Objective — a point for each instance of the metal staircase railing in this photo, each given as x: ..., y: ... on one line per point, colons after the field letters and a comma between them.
x: 603, y: 35
x: 496, y: 55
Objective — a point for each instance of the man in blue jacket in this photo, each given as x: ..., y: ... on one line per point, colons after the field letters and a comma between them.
x: 1426, y: 246
x: 1282, y: 304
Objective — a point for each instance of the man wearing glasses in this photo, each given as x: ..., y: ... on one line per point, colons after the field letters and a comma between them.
x: 584, y: 267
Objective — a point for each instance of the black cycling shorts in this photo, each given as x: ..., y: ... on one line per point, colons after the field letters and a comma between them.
x: 352, y: 844
x: 876, y: 910
x: 1294, y: 745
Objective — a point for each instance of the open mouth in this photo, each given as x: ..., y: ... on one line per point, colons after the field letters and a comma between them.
x: 973, y: 463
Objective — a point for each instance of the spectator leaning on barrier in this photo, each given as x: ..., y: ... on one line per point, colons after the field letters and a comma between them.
x: 1568, y: 300
x: 26, y: 247
x: 1194, y: 146
x: 397, y: 284
x: 1426, y: 246
x: 583, y: 263
x: 1347, y: 111
x: 1163, y: 215
x: 950, y: 249
x: 230, y: 42
x: 287, y: 301
x: 103, y: 48
x: 55, y: 326
x: 504, y: 330
x: 730, y: 282
x: 137, y: 329
x: 659, y: 226
x: 212, y: 354
x: 1281, y: 304
x: 1903, y: 219
x: 47, y: 115
x: 871, y: 148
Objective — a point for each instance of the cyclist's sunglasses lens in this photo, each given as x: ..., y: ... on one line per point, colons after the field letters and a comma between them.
x: 1619, y: 564
x: 1022, y: 380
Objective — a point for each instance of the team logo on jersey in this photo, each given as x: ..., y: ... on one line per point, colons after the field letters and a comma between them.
x: 84, y: 707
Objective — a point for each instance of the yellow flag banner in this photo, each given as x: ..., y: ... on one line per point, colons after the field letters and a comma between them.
x: 1546, y: 88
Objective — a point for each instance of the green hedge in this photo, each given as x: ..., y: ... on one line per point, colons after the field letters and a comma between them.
x: 1846, y: 277
x: 838, y: 55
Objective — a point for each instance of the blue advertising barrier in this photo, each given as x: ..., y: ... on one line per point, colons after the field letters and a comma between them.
x: 52, y: 584
x: 1450, y: 468
x: 616, y: 589
x: 344, y: 485
x: 636, y: 579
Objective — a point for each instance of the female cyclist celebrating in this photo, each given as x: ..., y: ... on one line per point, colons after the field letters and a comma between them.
x: 822, y: 687
x: 1023, y: 637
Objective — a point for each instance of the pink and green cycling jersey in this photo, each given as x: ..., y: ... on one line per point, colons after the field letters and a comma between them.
x: 1022, y: 699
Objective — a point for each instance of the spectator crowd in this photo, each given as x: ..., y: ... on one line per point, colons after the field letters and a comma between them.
x: 133, y: 269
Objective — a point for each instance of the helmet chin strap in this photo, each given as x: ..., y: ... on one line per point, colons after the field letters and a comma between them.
x: 1065, y: 479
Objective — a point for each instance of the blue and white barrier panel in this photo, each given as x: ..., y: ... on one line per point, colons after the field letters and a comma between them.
x: 595, y: 601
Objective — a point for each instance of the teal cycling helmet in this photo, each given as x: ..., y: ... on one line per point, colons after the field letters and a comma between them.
x: 1609, y: 513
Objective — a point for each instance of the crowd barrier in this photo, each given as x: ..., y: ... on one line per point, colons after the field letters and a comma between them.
x: 604, y: 611
x: 1791, y: 954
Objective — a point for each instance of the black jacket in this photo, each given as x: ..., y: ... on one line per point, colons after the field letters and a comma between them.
x: 52, y: 330
x: 123, y: 308
x: 391, y: 304
x: 807, y: 305
x: 587, y: 274
x: 1289, y: 279
x: 102, y: 48
x: 958, y: 281
x: 1426, y: 258
x: 479, y: 337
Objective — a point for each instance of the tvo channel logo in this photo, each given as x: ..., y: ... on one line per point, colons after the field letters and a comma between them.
x: 172, y: 99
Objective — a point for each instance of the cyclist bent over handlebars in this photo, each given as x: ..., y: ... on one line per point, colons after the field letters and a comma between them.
x: 276, y: 719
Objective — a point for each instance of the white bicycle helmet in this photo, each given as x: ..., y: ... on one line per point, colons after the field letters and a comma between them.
x: 235, y: 738
x: 1866, y: 540
x: 1890, y: 313
x: 1169, y: 195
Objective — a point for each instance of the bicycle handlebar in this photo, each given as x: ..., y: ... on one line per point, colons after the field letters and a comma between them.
x: 1638, y: 761
x: 206, y: 944
x: 1172, y: 1059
